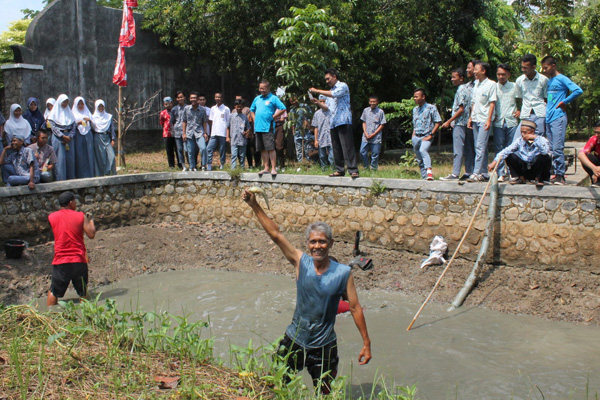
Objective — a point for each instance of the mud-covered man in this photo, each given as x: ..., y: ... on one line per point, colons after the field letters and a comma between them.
x: 310, y: 339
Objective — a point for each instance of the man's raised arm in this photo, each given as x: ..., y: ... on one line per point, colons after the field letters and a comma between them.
x: 292, y: 254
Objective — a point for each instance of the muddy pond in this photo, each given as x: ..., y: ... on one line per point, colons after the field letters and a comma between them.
x: 470, y: 353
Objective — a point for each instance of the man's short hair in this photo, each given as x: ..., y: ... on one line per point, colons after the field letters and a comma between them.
x: 529, y: 58
x: 420, y: 90
x: 241, y: 96
x: 265, y: 82
x: 460, y: 71
x: 332, y: 72
x: 42, y: 131
x: 549, y: 60
x: 65, y: 198
x: 194, y: 93
x: 374, y: 96
x: 319, y: 226
x: 473, y: 61
x: 505, y: 67
x: 180, y: 91
x: 238, y: 102
x: 485, y: 66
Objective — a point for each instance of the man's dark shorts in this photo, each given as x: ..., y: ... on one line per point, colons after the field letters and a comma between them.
x: 265, y: 141
x: 62, y: 274
x: 317, y: 361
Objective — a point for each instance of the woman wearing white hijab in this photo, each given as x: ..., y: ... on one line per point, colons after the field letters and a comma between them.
x: 62, y: 123
x: 84, y: 140
x: 16, y: 124
x: 104, y: 140
x: 49, y: 106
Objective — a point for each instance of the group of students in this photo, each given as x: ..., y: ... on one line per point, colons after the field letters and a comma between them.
x: 195, y: 130
x: 529, y: 138
x: 62, y: 143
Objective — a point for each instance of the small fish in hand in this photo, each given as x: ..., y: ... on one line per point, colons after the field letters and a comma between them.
x: 256, y: 189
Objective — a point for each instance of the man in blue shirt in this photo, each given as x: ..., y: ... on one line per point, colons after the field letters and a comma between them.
x: 342, y: 139
x: 263, y: 111
x: 426, y: 122
x: 559, y: 87
x: 528, y: 157
x: 321, y: 282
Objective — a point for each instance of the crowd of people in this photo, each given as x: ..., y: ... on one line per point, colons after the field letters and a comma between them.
x: 62, y: 143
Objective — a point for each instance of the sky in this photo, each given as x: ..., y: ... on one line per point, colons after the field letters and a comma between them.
x: 11, y: 10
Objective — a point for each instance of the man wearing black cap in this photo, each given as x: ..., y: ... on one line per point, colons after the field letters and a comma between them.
x: 528, y: 157
x: 70, y: 255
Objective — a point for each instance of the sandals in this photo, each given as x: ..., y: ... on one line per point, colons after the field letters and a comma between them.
x: 336, y: 174
x: 354, y: 175
x: 265, y: 171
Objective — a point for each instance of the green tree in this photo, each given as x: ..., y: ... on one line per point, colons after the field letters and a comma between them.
x: 304, y: 47
x: 15, y: 34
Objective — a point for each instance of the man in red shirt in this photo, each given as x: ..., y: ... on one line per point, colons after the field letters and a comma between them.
x: 168, y: 138
x: 70, y: 254
x: 590, y: 156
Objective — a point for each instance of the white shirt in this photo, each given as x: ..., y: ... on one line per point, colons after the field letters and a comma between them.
x: 219, y: 115
x: 533, y: 92
x: 484, y: 94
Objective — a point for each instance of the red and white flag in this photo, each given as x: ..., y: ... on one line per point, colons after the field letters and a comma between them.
x: 131, y: 3
x: 120, y: 75
x: 127, y: 35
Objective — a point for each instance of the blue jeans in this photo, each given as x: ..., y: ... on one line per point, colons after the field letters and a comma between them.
x: 238, y: 151
x: 555, y: 132
x: 503, y: 137
x: 480, y: 137
x: 10, y: 177
x: 181, y: 150
x: 326, y: 156
x: 463, y: 147
x: 215, y: 141
x: 196, y: 145
x: 375, y: 149
x: 421, y: 148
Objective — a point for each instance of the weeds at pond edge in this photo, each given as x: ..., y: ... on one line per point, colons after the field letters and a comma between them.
x: 377, y: 188
x: 95, y: 351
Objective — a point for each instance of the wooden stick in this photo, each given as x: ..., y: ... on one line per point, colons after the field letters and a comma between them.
x: 455, y: 251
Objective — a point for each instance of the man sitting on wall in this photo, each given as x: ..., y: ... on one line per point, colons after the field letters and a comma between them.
x: 528, y: 157
x: 589, y: 156
x: 19, y: 165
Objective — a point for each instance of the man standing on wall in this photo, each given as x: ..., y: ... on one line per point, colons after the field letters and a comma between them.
x: 219, y: 121
x: 342, y: 139
x: 559, y: 87
x: 265, y: 108
x: 168, y: 139
x: 426, y: 122
x: 194, y: 129
x: 483, y: 103
x: 321, y: 282
x: 506, y: 121
x: 532, y: 87
x: 70, y: 255
x: 177, y: 120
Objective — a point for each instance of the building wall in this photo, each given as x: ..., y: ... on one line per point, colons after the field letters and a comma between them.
x: 556, y: 228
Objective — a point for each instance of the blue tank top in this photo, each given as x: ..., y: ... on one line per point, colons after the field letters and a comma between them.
x: 317, y: 298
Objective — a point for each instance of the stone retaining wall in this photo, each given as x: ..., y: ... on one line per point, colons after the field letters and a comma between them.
x: 552, y: 228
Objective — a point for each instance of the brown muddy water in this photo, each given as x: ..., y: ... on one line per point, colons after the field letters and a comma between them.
x: 470, y: 353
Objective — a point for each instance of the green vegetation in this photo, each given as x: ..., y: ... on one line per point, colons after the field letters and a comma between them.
x: 377, y: 188
x: 94, y: 351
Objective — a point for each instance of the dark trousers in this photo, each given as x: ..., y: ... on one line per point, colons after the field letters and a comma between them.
x: 252, y: 155
x: 280, y: 143
x: 171, y: 153
x: 342, y: 141
x: 539, y: 169
x: 595, y: 160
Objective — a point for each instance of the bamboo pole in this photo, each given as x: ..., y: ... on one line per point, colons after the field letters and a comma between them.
x: 455, y: 251
x: 470, y: 282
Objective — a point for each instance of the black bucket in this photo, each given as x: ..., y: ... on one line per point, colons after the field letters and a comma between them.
x: 14, y: 248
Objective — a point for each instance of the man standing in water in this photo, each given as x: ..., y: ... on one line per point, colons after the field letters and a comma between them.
x: 320, y: 283
x: 70, y: 254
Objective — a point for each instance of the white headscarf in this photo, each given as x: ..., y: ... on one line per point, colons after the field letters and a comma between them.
x: 101, y: 120
x: 61, y: 115
x: 52, y: 101
x: 79, y: 115
x: 17, y: 126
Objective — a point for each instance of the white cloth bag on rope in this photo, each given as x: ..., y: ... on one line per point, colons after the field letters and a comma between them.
x: 437, y: 249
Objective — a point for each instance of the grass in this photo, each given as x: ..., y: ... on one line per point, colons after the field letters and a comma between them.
x: 391, y: 166
x: 94, y: 351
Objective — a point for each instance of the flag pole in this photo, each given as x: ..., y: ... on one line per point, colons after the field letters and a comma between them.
x: 120, y: 130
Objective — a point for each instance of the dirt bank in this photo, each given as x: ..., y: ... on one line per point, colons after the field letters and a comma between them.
x: 129, y: 251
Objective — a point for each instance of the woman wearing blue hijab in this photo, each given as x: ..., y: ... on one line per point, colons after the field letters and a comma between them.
x: 34, y: 117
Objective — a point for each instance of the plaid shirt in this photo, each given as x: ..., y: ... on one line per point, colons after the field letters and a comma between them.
x: 373, y: 119
x: 238, y: 124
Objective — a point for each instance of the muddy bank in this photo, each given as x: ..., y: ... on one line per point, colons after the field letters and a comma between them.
x: 129, y: 251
